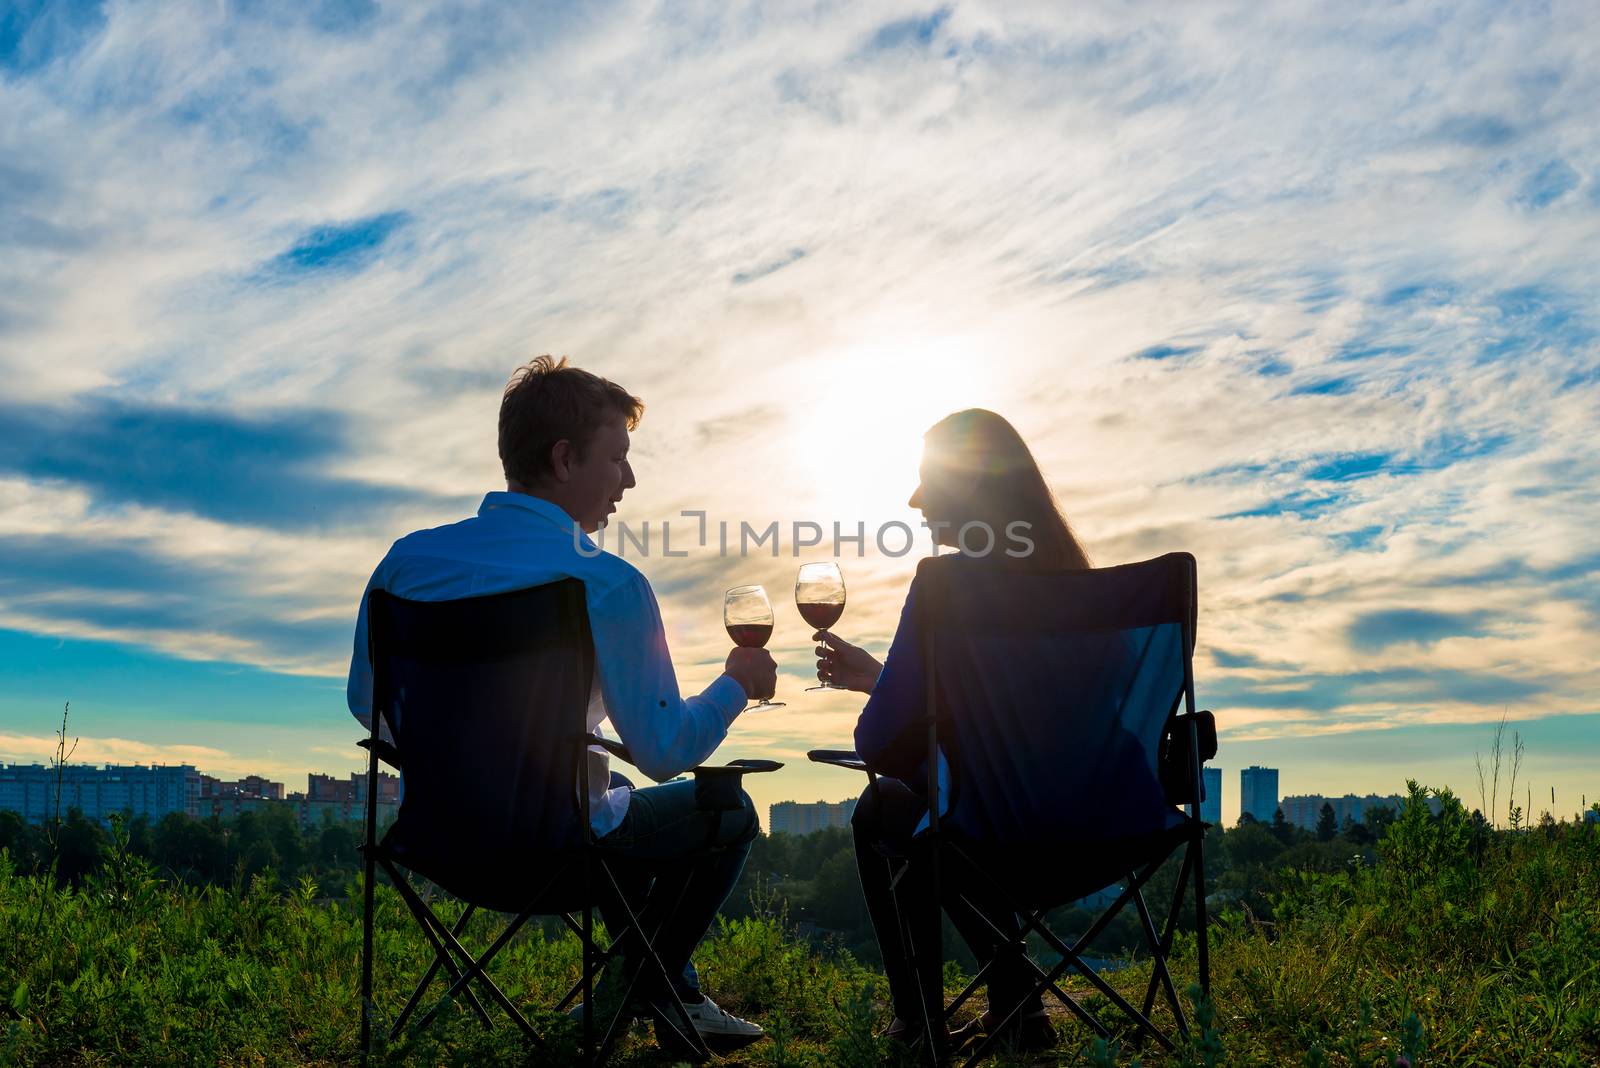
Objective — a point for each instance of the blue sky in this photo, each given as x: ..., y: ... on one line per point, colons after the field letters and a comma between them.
x: 1307, y: 292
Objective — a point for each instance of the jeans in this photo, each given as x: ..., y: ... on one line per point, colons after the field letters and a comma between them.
x: 885, y: 820
x: 676, y: 865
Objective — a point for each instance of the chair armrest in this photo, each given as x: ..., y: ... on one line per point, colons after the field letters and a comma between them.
x: 615, y: 748
x: 839, y: 758
x: 386, y: 750
x: 717, y: 787
x: 739, y: 767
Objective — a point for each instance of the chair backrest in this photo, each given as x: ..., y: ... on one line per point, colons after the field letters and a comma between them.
x: 1052, y: 690
x: 485, y: 698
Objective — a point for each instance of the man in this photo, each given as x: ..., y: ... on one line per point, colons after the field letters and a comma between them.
x: 564, y: 449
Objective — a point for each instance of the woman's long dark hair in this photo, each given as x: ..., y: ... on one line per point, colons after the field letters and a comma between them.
x: 985, y: 468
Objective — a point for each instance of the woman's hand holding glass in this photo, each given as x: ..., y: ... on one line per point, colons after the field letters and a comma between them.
x: 846, y: 666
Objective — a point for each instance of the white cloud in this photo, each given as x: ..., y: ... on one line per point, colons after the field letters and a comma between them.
x: 21, y: 748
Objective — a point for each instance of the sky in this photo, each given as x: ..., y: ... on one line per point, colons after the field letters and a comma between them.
x: 1305, y: 291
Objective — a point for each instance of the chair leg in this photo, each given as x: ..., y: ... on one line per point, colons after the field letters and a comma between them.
x: 588, y: 945
x: 1168, y: 929
x: 1033, y: 921
x: 474, y: 969
x: 369, y: 872
x: 430, y: 928
x: 440, y: 958
x: 1202, y: 946
x: 1104, y: 919
x: 1000, y: 937
x: 1158, y: 965
x: 967, y: 992
x: 1069, y: 955
x: 588, y: 962
x: 475, y: 966
x: 909, y: 951
x: 602, y: 958
x: 687, y: 1034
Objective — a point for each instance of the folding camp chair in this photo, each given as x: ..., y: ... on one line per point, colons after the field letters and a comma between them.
x: 1064, y: 704
x: 485, y: 700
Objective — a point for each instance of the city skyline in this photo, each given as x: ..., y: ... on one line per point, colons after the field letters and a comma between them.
x: 261, y: 286
x: 1299, y: 809
x: 43, y: 792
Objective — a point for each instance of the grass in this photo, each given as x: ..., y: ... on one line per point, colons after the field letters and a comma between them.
x: 1461, y: 946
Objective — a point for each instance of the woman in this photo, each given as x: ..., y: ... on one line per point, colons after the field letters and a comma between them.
x: 976, y: 472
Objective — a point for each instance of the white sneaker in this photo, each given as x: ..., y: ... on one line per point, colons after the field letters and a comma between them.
x: 719, y: 1029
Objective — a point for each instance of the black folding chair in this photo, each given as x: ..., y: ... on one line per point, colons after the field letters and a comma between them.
x: 485, y: 700
x: 1064, y: 704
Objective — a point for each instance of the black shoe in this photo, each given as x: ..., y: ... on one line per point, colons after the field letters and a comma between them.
x: 910, y: 1034
x: 1030, y: 1032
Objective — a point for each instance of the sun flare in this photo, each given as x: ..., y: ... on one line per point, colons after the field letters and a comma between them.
x: 878, y: 401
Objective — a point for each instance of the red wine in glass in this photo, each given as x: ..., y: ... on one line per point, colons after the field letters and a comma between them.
x: 747, y: 613
x: 819, y: 594
x: 750, y: 635
x: 820, y: 614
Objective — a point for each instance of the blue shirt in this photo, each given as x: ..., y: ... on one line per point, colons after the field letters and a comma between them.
x: 517, y: 541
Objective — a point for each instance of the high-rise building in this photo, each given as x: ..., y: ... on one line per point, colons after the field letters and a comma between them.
x: 255, y: 787
x: 153, y: 790
x: 353, y: 789
x: 793, y: 817
x: 1211, y: 803
x: 329, y: 799
x: 1258, y: 792
x: 1304, y: 810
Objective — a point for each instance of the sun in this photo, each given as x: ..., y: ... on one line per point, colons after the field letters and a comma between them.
x: 877, y: 401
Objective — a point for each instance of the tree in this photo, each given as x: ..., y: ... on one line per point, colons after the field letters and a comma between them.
x: 281, y: 828
x: 22, y: 840
x: 191, y: 849
x: 141, y: 837
x: 836, y: 899
x: 337, y: 846
x: 1377, y: 820
x: 79, y: 847
x: 1282, y: 829
x: 1250, y: 845
x: 1327, y: 824
x: 1252, y: 855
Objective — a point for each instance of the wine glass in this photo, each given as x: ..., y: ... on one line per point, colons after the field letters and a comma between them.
x: 747, y: 613
x: 819, y: 594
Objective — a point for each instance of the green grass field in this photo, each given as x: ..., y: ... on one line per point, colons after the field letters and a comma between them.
x: 1459, y: 946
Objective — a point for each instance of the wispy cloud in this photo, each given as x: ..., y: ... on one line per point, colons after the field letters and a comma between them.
x: 794, y: 255
x: 917, y: 31
x: 1373, y: 631
x: 258, y: 468
x: 22, y: 748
